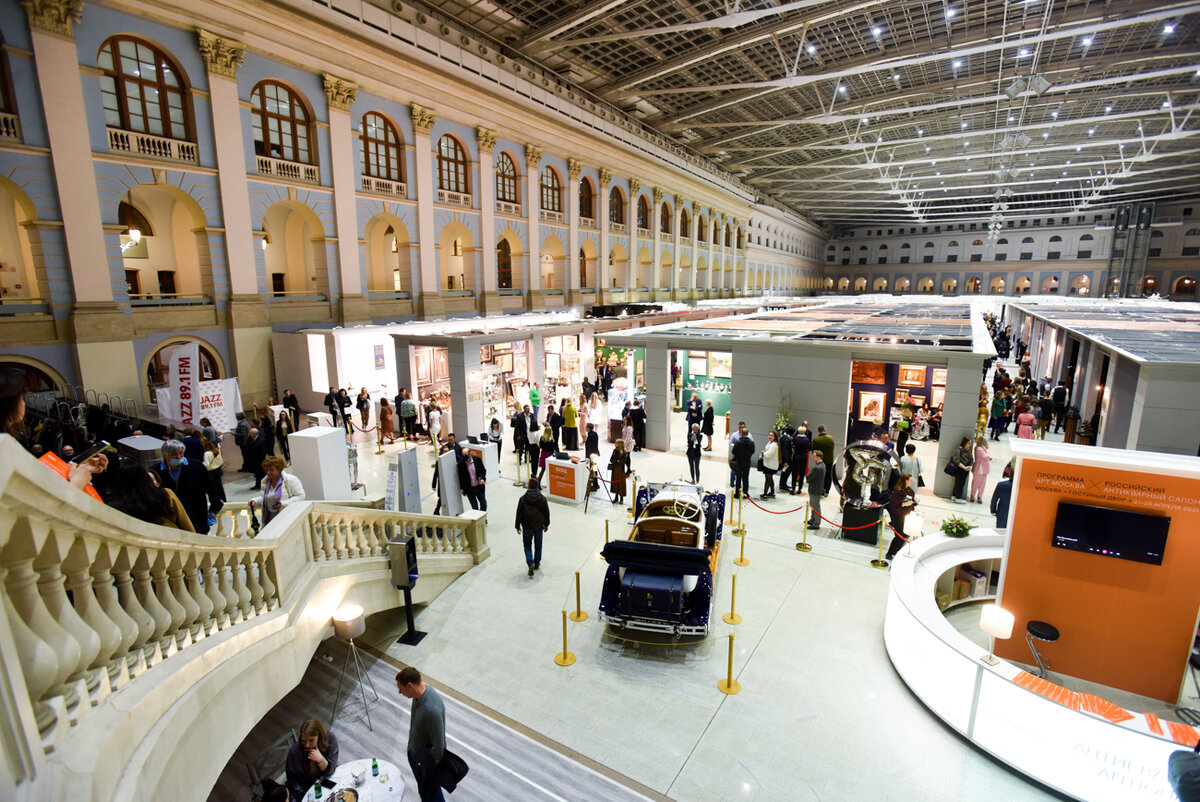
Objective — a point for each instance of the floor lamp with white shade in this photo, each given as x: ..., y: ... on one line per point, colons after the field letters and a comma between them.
x: 348, y: 624
x: 998, y: 623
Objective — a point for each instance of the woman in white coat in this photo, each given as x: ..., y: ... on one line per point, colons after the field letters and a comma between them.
x: 770, y: 464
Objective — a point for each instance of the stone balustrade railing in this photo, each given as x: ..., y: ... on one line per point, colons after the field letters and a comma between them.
x: 103, y: 613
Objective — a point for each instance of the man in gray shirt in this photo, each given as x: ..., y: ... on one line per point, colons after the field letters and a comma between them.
x: 426, y: 732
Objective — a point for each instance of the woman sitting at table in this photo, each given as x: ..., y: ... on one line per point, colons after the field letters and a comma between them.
x: 314, y: 757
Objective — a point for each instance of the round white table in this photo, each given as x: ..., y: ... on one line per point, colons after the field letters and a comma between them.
x: 387, y: 787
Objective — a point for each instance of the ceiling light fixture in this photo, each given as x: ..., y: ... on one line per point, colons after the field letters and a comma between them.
x: 1039, y: 85
x: 1087, y: 41
x: 877, y: 32
x: 1006, y: 142
x: 956, y: 64
x: 1168, y: 29
x: 1023, y: 140
x: 1015, y: 88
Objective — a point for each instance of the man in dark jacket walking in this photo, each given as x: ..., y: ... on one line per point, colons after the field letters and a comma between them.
x: 471, y: 478
x: 190, y: 482
x: 533, y: 519
x: 256, y: 452
x: 741, y: 457
x: 637, y: 416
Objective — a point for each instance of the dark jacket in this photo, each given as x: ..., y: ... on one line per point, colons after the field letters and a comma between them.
x: 592, y: 445
x: 256, y: 452
x: 299, y: 769
x: 743, y: 452
x: 707, y: 426
x: 1000, y: 499
x: 816, y: 478
x: 447, y: 773
x: 194, y: 489
x: 520, y: 429
x: 464, y: 479
x: 536, y: 504
x: 193, y: 449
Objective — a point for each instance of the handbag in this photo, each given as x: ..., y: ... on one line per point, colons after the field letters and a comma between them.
x: 920, y: 481
x: 760, y: 464
x: 951, y: 468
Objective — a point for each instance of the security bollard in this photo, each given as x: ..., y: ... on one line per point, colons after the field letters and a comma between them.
x: 729, y: 685
x: 729, y: 506
x: 880, y: 562
x: 741, y: 558
x: 803, y: 545
x: 732, y: 617
x: 579, y: 614
x: 566, y: 658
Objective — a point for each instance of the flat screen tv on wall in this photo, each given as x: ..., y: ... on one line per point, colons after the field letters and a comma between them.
x: 1108, y: 532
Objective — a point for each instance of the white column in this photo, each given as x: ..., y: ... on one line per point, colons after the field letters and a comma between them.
x: 57, y: 65
x: 339, y: 94
x: 603, y: 272
x: 574, y: 169
x: 655, y: 254
x: 489, y: 300
x: 533, y: 157
x: 633, y: 264
x: 678, y: 258
x: 429, y: 302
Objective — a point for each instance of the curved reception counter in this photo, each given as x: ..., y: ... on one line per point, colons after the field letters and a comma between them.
x: 1075, y: 743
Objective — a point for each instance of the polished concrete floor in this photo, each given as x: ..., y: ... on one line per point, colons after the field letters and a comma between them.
x: 821, y: 714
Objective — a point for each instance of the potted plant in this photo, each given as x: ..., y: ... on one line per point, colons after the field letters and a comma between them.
x: 783, y: 414
x: 955, y: 527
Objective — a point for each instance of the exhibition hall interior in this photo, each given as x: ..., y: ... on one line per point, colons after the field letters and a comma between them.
x: 708, y: 400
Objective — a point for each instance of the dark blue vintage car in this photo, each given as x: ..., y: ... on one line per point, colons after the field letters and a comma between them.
x: 661, y: 578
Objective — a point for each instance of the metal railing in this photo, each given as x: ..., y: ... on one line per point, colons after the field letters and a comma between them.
x: 170, y: 299
x: 155, y: 147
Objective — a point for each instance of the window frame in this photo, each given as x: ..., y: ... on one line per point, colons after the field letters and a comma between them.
x: 550, y: 191
x: 507, y: 180
x: 305, y: 123
x: 118, y: 91
x: 392, y: 144
x: 454, y: 168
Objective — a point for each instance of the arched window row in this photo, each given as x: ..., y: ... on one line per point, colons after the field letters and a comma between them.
x: 551, y: 191
x: 142, y: 90
x: 282, y: 123
x: 383, y: 151
x: 453, y: 166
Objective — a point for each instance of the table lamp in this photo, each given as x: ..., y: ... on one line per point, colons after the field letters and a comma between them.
x: 348, y: 624
x: 913, y: 524
x: 997, y: 622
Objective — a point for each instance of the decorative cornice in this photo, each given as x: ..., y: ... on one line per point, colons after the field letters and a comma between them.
x: 423, y: 119
x: 574, y: 168
x: 221, y: 56
x: 339, y: 93
x: 605, y: 177
x: 485, y: 138
x: 658, y: 196
x: 533, y: 155
x: 55, y: 16
x: 634, y: 187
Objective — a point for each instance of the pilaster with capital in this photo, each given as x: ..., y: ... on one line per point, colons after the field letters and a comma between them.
x: 605, y: 177
x: 656, y: 276
x: 533, y: 207
x: 339, y: 94
x: 533, y: 155
x: 490, y: 297
x: 222, y: 56
x: 574, y: 281
x: 54, y: 16
x: 429, y: 302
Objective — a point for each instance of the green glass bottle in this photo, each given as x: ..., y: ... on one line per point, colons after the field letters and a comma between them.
x: 317, y: 790
x: 374, y: 767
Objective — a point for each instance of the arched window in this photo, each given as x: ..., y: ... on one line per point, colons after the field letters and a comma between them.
x: 452, y: 166
x: 551, y: 189
x: 1155, y: 234
x: 664, y: 218
x: 862, y: 248
x: 616, y: 206
x: 728, y: 236
x: 740, y: 238
x: 1026, y: 240
x: 1089, y: 237
x: 504, y: 265
x: 702, y: 229
x: 685, y: 223
x: 1002, y: 241
x: 883, y: 247
x: 142, y: 89
x: 132, y: 220
x: 903, y: 247
x: 928, y: 244
x: 1056, y: 238
x: 976, y: 243
x: 283, y: 127
x: 587, y: 199
x: 381, y: 148
x: 8, y: 104
x: 643, y: 212
x: 952, y: 243
x: 506, y: 180
x: 1191, y: 232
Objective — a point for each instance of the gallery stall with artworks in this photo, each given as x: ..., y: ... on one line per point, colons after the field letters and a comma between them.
x: 885, y: 394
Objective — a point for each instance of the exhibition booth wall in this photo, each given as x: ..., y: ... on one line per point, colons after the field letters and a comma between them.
x: 1125, y: 622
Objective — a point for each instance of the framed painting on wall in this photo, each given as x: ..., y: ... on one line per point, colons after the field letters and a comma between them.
x: 866, y: 373
x: 697, y: 367
x: 720, y: 365
x: 518, y: 365
x: 937, y: 397
x: 912, y: 376
x: 485, y: 353
x: 380, y: 361
x: 870, y: 406
x: 939, y: 377
x: 505, y: 361
x: 917, y: 401
x: 697, y: 354
x: 441, y: 364
x: 424, y: 366
x: 902, y: 396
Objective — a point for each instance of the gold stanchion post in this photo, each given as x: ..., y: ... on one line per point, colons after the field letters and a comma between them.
x: 379, y: 439
x: 741, y: 558
x: 804, y: 545
x: 579, y: 614
x: 880, y: 562
x: 732, y: 617
x: 729, y: 685
x: 519, y: 483
x: 729, y: 506
x: 741, y: 530
x: 566, y: 658
x: 633, y: 497
x: 605, y: 530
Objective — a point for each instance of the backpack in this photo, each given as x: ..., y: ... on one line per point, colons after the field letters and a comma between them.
x: 531, y: 516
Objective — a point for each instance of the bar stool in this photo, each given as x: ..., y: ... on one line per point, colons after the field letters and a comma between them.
x: 1042, y: 631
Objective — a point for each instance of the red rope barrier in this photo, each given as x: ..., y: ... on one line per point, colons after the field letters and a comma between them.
x: 846, y: 528
x: 773, y: 512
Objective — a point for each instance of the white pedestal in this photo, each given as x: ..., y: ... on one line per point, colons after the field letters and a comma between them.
x: 490, y: 454
x: 452, y: 497
x: 319, y: 461
x: 318, y: 419
x: 566, y: 481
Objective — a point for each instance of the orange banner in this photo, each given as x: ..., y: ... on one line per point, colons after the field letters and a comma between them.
x: 562, y: 481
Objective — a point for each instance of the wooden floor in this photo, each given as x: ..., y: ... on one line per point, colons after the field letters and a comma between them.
x: 506, y: 762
